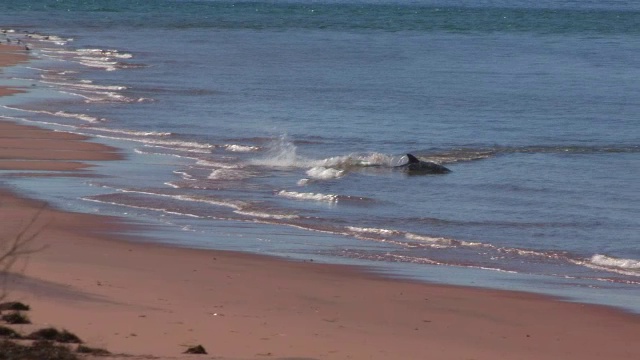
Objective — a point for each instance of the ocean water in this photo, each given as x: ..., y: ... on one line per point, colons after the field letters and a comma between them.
x: 276, y: 127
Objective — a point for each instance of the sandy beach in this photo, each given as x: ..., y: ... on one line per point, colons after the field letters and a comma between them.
x: 134, y: 297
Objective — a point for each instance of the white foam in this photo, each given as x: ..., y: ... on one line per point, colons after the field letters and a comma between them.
x: 525, y: 252
x: 57, y: 51
x: 105, y: 53
x: 308, y: 196
x: 384, y: 232
x: 214, y: 164
x: 356, y: 160
x: 99, y: 64
x: 171, y: 184
x: 180, y: 149
x: 603, y: 260
x: 146, y: 152
x: 83, y: 117
x: 280, y: 153
x: 39, y: 69
x: 323, y: 173
x: 142, y: 207
x: 85, y: 85
x: 49, y: 38
x: 151, y: 141
x: 132, y: 132
x: 629, y: 267
x: 439, y: 241
x: 44, y: 123
x: 413, y: 259
x: 240, y: 148
x: 228, y: 174
x: 236, y: 205
x: 184, y: 175
x: 264, y: 215
x: 94, y: 58
x: 102, y: 97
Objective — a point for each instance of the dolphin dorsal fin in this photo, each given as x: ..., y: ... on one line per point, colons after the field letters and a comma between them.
x: 412, y: 159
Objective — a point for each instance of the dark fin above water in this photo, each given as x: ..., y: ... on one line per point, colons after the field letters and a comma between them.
x: 412, y: 159
x: 415, y: 166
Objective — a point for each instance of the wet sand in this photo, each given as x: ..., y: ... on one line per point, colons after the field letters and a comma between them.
x: 135, y: 297
x: 11, y: 55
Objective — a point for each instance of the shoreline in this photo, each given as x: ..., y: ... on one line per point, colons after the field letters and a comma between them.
x: 148, y: 299
x: 11, y: 55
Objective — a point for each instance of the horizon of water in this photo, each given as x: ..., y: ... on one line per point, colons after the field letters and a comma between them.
x: 277, y: 128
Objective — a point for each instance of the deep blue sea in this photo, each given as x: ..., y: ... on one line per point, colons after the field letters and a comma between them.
x: 276, y: 127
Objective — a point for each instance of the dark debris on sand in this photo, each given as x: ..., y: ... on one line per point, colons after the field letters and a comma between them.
x: 9, y: 333
x: 39, y: 350
x: 53, y: 334
x: 16, y: 318
x: 14, y: 305
x: 199, y: 349
x: 82, y: 349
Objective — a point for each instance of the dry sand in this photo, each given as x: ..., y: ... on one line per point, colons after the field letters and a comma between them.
x: 149, y: 300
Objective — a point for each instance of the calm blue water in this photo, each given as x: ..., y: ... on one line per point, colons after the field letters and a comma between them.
x: 275, y: 127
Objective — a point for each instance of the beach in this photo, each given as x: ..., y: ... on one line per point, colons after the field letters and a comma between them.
x: 135, y: 297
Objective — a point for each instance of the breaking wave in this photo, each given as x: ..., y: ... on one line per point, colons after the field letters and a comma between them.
x: 604, y: 260
x: 240, y: 148
x: 131, y: 132
x: 384, y: 232
x: 308, y: 196
x: 84, y: 85
x: 102, y: 59
x: 150, y: 141
x: 630, y: 267
x: 64, y: 114
x: 281, y: 153
x: 105, y: 53
x: 323, y: 173
x: 228, y: 174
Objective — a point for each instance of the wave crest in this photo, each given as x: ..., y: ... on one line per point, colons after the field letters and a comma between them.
x: 323, y: 173
x: 308, y: 196
x: 607, y: 261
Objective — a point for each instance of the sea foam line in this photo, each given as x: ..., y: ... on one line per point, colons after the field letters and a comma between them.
x: 228, y: 174
x: 240, y: 148
x: 142, y: 207
x: 85, y: 86
x: 106, y: 97
x: 236, y: 205
x: 330, y: 198
x: 143, y: 152
x: 131, y: 132
x: 604, y: 260
x: 107, y: 52
x: 629, y: 267
x: 422, y: 240
x: 385, y: 232
x: 176, y: 143
x: 213, y: 164
x: 323, y: 173
x: 83, y: 117
x: 264, y: 215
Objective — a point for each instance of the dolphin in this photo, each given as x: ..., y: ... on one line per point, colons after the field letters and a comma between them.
x: 415, y: 166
